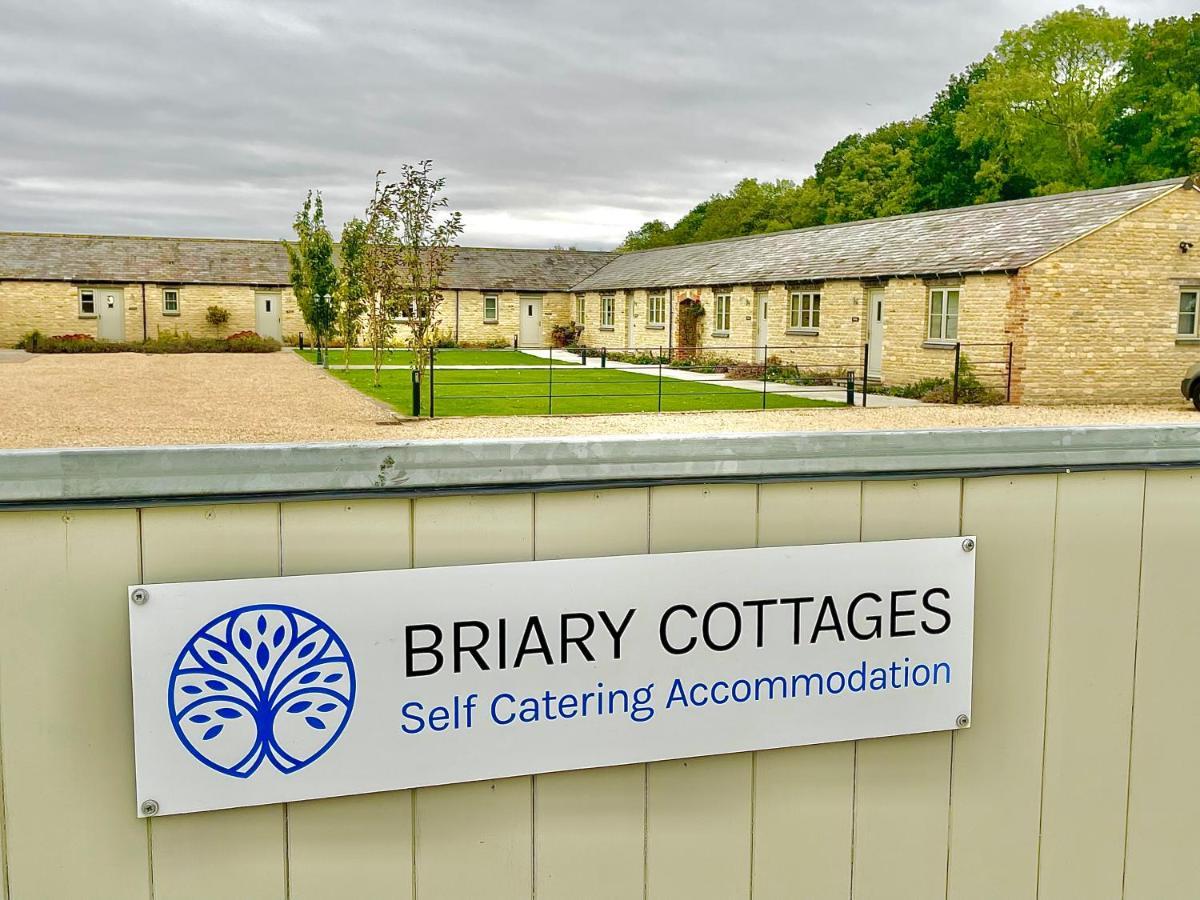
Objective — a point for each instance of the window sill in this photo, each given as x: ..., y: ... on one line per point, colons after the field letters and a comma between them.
x: 720, y: 334
x: 1183, y: 340
x: 655, y: 327
x: 491, y: 321
x: 939, y: 345
x: 88, y: 316
x: 171, y: 315
x: 607, y: 328
x: 808, y: 331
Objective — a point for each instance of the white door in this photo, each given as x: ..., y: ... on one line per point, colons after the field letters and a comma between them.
x: 111, y: 311
x: 267, y: 320
x: 875, y: 333
x: 531, y: 320
x: 763, y: 307
x: 629, y: 310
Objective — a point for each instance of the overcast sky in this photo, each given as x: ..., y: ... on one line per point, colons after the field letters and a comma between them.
x: 555, y: 122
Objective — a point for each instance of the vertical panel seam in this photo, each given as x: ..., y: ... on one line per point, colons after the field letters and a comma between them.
x: 1046, y: 698
x: 533, y: 788
x: 1137, y: 622
x: 962, y: 500
x: 645, y: 831
x: 5, y: 888
x: 753, y: 814
x: 854, y: 774
x: 141, y: 576
x: 412, y: 831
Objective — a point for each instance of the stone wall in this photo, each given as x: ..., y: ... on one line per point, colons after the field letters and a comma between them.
x: 52, y: 307
x: 1101, y: 314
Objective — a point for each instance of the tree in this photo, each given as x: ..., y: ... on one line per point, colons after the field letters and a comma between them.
x: 314, y: 275
x: 352, y: 297
x: 1043, y: 99
x: 410, y: 244
x: 655, y: 233
x: 867, y: 176
x: 1155, y: 127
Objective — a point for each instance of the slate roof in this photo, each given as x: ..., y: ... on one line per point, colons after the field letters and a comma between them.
x: 106, y: 258
x: 986, y: 238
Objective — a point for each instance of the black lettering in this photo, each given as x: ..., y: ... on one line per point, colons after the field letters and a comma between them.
x: 662, y: 629
x: 615, y: 630
x: 876, y: 619
x: 898, y: 614
x: 707, y: 630
x: 461, y: 647
x: 757, y: 606
x: 940, y: 611
x: 795, y: 603
x: 828, y: 610
x: 533, y: 628
x: 431, y: 650
x: 579, y: 641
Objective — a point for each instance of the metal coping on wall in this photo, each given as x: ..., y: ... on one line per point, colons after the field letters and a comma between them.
x: 147, y: 476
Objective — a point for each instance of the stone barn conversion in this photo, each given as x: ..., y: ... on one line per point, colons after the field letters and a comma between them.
x: 134, y: 288
x: 1096, y: 291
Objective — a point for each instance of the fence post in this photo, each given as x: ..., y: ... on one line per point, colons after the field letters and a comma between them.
x: 866, y: 369
x: 603, y: 357
x: 432, y: 355
x: 850, y: 388
x: 416, y: 393
x: 957, y: 362
x: 1008, y: 384
x: 583, y: 356
x: 764, y: 377
x: 660, y: 359
x: 550, y: 384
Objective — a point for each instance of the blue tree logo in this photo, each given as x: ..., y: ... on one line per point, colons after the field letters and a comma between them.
x: 263, y: 682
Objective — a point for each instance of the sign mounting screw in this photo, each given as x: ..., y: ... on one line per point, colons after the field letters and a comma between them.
x: 962, y: 722
x: 140, y: 596
x: 968, y: 545
x: 149, y: 807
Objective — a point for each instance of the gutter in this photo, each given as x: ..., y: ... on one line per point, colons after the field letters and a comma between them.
x: 153, y: 476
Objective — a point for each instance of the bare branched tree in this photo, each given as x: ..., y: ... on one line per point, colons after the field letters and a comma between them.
x: 410, y: 239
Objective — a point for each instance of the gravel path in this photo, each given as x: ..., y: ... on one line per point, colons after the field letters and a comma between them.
x: 128, y: 399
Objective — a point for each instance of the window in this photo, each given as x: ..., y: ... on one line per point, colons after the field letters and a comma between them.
x: 171, y: 302
x: 656, y: 310
x: 1187, y: 313
x: 721, y: 316
x: 580, y: 309
x: 87, y: 303
x: 943, y: 314
x: 607, y: 302
x: 491, y: 308
x: 804, y: 311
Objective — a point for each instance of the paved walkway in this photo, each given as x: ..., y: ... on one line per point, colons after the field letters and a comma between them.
x: 14, y: 356
x: 826, y: 392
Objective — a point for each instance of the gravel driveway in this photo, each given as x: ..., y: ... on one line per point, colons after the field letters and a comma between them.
x: 130, y: 398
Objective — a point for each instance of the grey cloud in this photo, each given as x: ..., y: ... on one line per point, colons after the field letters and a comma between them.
x: 553, y: 121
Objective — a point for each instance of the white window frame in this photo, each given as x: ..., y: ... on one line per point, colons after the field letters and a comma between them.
x: 608, y: 305
x: 580, y: 310
x: 942, y: 326
x: 656, y: 311
x: 167, y: 310
x: 494, y: 317
x: 1194, y: 331
x: 804, y: 311
x: 722, y: 313
x: 91, y: 295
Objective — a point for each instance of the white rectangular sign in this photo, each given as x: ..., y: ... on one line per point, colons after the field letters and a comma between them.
x: 278, y: 689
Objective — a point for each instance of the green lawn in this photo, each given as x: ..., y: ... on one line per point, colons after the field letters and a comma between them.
x: 580, y: 391
x: 401, y: 357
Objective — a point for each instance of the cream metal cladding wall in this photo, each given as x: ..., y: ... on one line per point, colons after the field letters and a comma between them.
x: 1085, y: 728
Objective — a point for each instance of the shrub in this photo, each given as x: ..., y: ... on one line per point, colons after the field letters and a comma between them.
x: 493, y: 344
x: 216, y: 316
x: 638, y: 357
x: 941, y: 390
x: 29, y: 340
x: 566, y: 335
x: 242, y: 342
